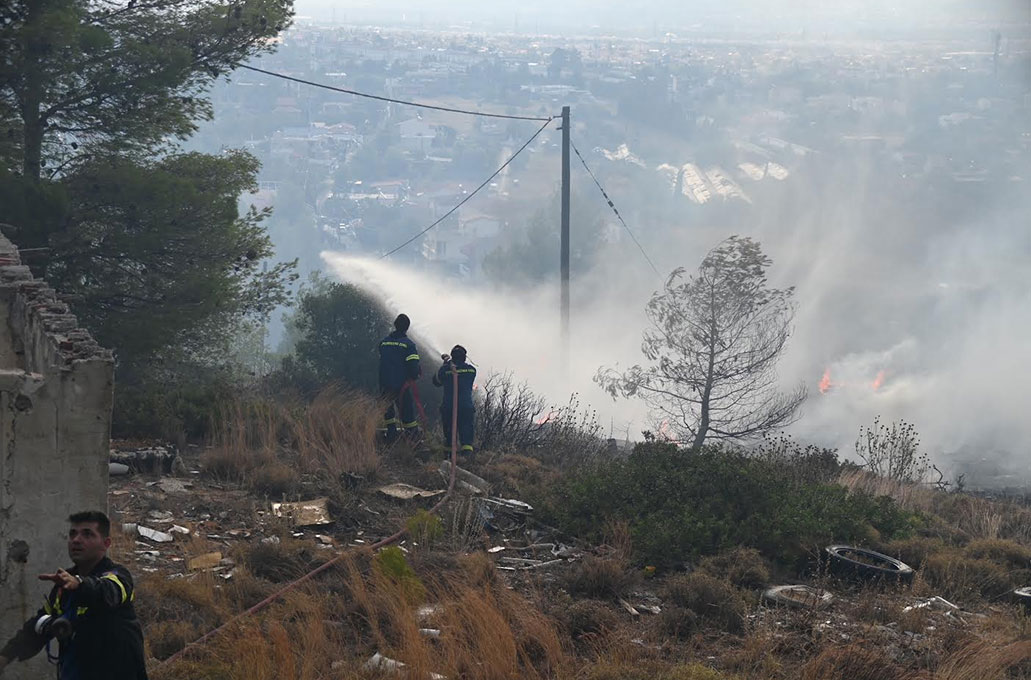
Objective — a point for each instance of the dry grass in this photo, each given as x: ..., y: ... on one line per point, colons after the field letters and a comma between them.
x: 267, y: 444
x: 337, y: 432
x: 909, y: 495
x: 985, y: 660
x: 955, y: 576
x: 854, y: 662
x: 354, y: 610
x: 743, y: 567
x: 598, y: 578
x: 713, y: 600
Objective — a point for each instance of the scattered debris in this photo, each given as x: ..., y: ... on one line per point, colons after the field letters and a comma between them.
x: 116, y: 469
x: 176, y: 529
x: 430, y: 632
x: 496, y: 549
x: 428, y: 611
x: 478, y: 484
x: 205, y: 561
x: 854, y: 562
x: 154, y: 534
x: 934, y: 602
x: 805, y: 597
x: 1023, y: 597
x: 407, y: 491
x: 304, y: 513
x: 629, y: 607
x: 380, y: 662
x: 152, y: 460
x: 170, y: 485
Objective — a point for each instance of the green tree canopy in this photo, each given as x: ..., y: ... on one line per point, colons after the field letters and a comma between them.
x: 158, y: 253
x: 81, y: 78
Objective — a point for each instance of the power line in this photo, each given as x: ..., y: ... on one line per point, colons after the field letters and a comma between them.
x: 613, y: 206
x: 389, y: 99
x: 473, y: 193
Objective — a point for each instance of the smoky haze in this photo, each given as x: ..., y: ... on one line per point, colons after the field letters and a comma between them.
x: 879, y: 151
x: 651, y: 18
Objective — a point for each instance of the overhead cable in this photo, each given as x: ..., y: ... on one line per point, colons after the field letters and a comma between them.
x: 472, y: 193
x: 613, y: 206
x: 420, y: 105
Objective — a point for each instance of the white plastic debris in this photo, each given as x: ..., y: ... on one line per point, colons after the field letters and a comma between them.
x: 380, y: 662
x: 116, y: 469
x: 936, y: 602
x: 154, y: 534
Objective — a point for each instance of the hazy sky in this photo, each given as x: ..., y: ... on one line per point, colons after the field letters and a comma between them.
x: 655, y: 17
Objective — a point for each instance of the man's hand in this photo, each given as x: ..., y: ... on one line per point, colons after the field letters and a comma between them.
x: 62, y: 578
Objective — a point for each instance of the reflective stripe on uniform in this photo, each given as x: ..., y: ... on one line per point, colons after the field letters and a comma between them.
x: 390, y: 421
x: 81, y: 610
x: 467, y: 447
x: 389, y: 343
x: 112, y: 577
x: 408, y: 426
x: 412, y: 357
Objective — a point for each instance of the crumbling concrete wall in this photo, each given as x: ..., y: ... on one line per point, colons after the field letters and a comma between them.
x: 56, y: 387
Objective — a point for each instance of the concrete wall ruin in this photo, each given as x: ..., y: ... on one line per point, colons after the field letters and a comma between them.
x: 56, y: 388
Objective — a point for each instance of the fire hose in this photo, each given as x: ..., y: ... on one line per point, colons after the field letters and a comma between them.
x: 326, y: 565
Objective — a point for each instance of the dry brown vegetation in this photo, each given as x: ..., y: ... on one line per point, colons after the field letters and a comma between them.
x: 570, y: 623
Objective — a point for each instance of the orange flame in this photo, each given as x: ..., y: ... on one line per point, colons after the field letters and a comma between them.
x: 878, y: 381
x: 825, y: 381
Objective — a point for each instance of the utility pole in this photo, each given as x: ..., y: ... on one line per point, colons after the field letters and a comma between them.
x: 564, y: 241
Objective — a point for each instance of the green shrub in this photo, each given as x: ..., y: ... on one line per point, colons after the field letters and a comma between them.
x: 390, y: 564
x: 681, y: 504
x: 424, y: 528
x: 744, y: 567
x: 709, y: 598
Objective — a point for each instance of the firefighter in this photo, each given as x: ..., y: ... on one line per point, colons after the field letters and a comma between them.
x: 456, y: 364
x: 398, y: 371
x: 89, y: 612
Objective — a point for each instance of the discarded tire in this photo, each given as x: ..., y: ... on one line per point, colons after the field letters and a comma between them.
x: 1022, y: 596
x: 852, y: 562
x: 800, y: 597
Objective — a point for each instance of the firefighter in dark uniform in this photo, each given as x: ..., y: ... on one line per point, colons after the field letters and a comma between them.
x: 456, y: 364
x: 398, y: 371
x: 89, y: 612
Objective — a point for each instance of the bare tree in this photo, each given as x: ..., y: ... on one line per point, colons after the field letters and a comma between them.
x: 712, y: 348
x: 893, y: 452
x: 510, y: 417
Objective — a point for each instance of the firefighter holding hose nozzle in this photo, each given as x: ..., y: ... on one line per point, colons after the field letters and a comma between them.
x: 457, y: 364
